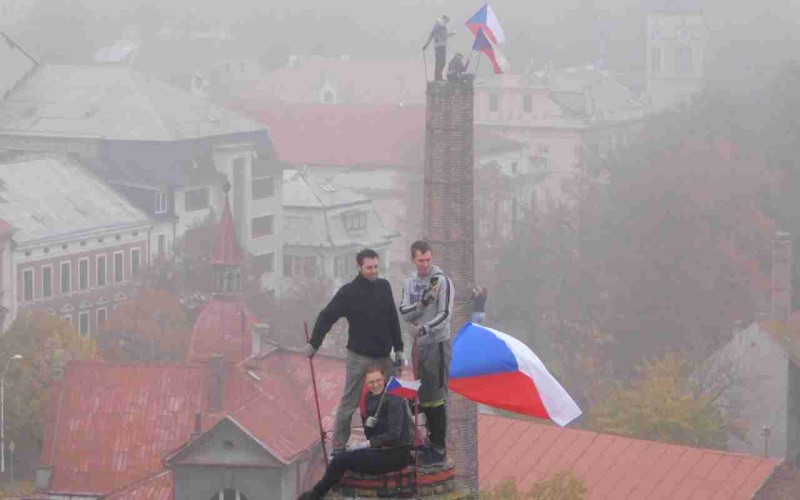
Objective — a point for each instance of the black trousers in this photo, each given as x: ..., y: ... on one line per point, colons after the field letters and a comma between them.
x: 436, y: 420
x: 441, y: 55
x: 367, y: 460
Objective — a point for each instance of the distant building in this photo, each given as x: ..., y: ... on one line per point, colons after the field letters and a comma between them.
x: 325, y: 226
x: 8, y: 306
x: 342, y: 81
x: 676, y: 49
x: 167, y: 151
x: 78, y: 245
x: 558, y: 113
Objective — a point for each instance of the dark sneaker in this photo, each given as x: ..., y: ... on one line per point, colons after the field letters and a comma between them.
x: 309, y: 495
x: 432, y: 458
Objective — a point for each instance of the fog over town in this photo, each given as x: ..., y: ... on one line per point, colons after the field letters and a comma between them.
x: 582, y: 216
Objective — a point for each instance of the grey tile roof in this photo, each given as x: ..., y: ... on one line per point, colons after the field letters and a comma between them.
x: 314, y: 215
x: 114, y: 103
x: 51, y: 197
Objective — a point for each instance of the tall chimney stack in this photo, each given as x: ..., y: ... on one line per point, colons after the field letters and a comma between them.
x: 448, y: 226
x: 781, y: 293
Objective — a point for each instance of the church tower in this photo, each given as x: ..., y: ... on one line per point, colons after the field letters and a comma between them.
x: 676, y: 46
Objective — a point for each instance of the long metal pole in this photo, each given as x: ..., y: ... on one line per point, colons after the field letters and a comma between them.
x: 3, y: 422
x: 316, y: 398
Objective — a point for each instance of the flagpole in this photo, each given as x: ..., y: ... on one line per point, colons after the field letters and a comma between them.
x: 478, y: 64
x: 316, y: 400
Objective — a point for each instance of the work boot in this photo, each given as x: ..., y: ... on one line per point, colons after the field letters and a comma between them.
x: 433, y: 458
x: 310, y: 495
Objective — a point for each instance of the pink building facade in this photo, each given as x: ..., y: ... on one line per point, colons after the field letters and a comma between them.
x: 78, y: 247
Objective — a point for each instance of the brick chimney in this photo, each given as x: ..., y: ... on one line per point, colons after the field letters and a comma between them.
x: 216, y: 396
x: 448, y: 226
x: 781, y: 292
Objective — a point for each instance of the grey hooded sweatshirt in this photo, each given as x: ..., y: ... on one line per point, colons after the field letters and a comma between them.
x: 434, y: 320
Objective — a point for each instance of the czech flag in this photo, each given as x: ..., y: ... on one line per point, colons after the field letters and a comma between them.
x: 498, y: 370
x: 404, y: 388
x: 482, y: 44
x: 486, y: 20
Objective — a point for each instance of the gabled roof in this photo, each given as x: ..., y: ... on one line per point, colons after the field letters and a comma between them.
x: 343, y: 135
x: 315, y: 214
x: 111, y: 103
x: 160, y: 486
x: 355, y: 81
x: 47, y: 197
x: 110, y: 427
x: 613, y: 466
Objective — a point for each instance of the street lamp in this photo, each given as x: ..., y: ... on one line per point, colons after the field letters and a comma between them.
x: 3, y: 413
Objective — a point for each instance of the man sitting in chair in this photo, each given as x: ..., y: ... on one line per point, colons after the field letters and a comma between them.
x: 387, y: 425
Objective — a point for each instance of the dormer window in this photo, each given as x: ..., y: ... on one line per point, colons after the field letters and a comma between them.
x: 355, y: 221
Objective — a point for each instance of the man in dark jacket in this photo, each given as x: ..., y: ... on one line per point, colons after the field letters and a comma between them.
x: 387, y: 425
x: 374, y: 329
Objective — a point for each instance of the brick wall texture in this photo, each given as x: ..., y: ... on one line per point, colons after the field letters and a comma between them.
x: 448, y: 226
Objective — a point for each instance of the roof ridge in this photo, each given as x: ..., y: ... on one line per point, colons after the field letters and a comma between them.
x: 139, y: 482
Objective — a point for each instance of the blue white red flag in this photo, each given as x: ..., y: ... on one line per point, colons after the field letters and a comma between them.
x: 495, y: 369
x: 483, y: 44
x: 404, y: 388
x: 486, y: 20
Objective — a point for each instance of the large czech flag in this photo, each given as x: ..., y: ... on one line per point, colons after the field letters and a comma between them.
x: 495, y: 369
x: 484, y: 45
x: 486, y: 20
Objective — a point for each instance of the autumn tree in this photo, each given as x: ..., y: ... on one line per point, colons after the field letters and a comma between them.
x: 664, y: 404
x: 46, y: 343
x: 149, y: 327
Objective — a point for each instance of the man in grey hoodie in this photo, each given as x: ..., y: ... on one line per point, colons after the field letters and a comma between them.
x: 427, y: 304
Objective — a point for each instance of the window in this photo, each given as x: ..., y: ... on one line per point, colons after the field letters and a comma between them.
x: 83, y: 323
x: 66, y: 277
x: 27, y: 285
x: 83, y: 274
x: 344, y: 265
x: 262, y: 187
x: 266, y: 262
x: 287, y: 265
x: 300, y: 266
x: 355, y: 220
x: 683, y: 60
x: 262, y: 226
x: 119, y: 271
x: 135, y: 261
x: 494, y: 102
x: 102, y: 316
x: 527, y: 103
x: 514, y: 168
x: 102, y: 273
x: 162, y: 244
x: 655, y: 60
x: 196, y: 199
x: 161, y: 202
x: 47, y: 281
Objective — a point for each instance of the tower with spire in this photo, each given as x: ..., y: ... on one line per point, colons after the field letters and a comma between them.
x: 225, y: 325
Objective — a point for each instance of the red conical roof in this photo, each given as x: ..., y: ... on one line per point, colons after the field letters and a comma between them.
x: 226, y: 251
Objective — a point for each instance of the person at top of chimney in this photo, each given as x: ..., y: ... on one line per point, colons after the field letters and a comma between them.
x: 374, y: 329
x: 439, y: 36
x: 388, y: 425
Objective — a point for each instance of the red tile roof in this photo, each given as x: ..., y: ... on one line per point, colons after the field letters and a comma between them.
x: 160, y: 486
x: 219, y: 330
x: 343, y: 135
x: 355, y: 81
x: 110, y: 427
x: 613, y: 466
x: 226, y: 249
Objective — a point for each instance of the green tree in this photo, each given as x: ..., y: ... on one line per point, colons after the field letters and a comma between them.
x: 563, y: 485
x: 46, y: 343
x: 664, y: 404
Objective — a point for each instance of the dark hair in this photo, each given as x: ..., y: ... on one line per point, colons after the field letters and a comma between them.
x: 367, y: 253
x: 372, y: 369
x: 422, y: 246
